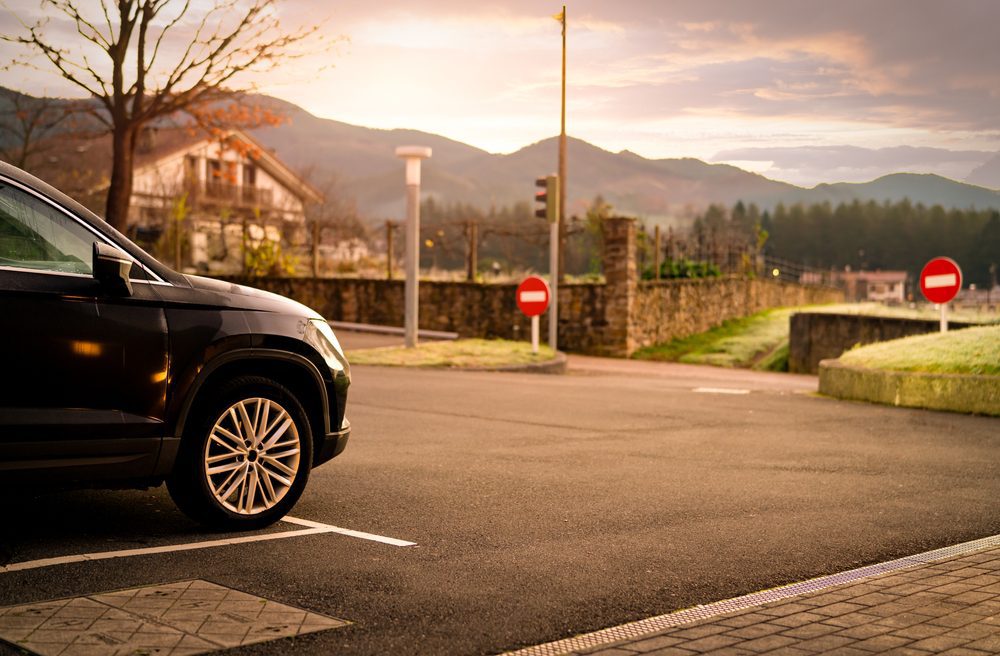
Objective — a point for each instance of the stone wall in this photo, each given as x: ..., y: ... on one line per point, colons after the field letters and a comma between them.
x: 469, y: 309
x: 670, y: 309
x: 817, y: 336
x: 614, y: 318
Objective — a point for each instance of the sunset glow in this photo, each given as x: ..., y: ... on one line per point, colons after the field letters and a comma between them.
x: 720, y: 81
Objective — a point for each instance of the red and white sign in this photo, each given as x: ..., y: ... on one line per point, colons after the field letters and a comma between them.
x: 940, y: 280
x: 533, y: 296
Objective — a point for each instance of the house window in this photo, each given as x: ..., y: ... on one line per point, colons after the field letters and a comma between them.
x: 191, y: 168
x: 249, y: 175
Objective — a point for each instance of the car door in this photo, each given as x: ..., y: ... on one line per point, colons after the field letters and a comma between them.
x: 82, y: 368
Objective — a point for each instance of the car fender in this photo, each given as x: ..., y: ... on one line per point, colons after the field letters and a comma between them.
x: 171, y: 443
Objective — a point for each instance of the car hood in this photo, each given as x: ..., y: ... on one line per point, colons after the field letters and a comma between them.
x: 249, y: 298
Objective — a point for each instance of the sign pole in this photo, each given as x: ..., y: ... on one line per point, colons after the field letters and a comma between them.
x: 944, y: 317
x: 533, y: 297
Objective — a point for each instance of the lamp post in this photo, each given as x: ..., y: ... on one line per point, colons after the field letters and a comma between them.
x: 412, y: 155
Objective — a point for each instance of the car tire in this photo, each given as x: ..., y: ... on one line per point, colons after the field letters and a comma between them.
x: 245, y: 457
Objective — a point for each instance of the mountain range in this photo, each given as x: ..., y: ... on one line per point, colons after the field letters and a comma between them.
x: 358, y: 163
x: 362, y: 161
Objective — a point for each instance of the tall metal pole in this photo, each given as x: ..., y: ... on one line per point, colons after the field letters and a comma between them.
x: 554, y: 285
x: 412, y: 155
x: 557, y: 230
x: 562, y: 136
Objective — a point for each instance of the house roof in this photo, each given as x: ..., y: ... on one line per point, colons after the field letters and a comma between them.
x: 876, y: 276
x: 169, y: 142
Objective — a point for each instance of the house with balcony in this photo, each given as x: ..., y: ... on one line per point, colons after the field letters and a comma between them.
x: 225, y: 191
x: 220, y: 192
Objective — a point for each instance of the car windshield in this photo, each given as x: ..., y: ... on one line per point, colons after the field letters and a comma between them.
x: 34, y: 235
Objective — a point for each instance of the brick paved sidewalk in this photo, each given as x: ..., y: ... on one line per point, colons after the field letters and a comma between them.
x: 948, y: 607
x: 945, y: 601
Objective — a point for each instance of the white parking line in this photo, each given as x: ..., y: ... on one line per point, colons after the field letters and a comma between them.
x: 346, y: 531
x: 314, y: 528
x: 720, y: 390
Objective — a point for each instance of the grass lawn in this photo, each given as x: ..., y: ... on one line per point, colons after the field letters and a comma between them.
x: 966, y: 351
x: 457, y: 353
x: 759, y: 341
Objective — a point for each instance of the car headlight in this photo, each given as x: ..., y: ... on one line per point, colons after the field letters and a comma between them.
x: 326, y: 342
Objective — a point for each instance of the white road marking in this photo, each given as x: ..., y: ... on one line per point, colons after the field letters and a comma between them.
x: 313, y: 528
x: 533, y: 297
x: 720, y: 390
x: 941, y: 280
x: 346, y: 531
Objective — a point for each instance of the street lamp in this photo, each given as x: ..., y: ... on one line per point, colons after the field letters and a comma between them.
x: 413, y: 155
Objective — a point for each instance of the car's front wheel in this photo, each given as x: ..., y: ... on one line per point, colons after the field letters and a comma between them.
x: 246, y: 459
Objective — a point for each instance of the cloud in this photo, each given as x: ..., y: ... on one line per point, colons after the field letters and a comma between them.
x: 810, y: 165
x: 684, y: 78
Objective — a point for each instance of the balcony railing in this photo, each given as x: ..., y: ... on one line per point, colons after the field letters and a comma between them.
x: 225, y: 193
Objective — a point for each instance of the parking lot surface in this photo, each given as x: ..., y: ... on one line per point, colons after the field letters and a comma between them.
x: 539, y: 507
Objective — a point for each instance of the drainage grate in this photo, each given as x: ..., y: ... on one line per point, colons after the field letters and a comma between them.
x: 652, y: 625
x: 174, y: 619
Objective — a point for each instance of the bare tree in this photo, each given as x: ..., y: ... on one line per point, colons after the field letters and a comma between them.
x: 337, y: 212
x: 119, y: 63
x: 27, y: 122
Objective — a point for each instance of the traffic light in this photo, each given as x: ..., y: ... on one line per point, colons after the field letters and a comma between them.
x: 548, y: 196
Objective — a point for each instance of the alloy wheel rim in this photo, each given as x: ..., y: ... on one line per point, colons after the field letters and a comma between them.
x: 252, y: 456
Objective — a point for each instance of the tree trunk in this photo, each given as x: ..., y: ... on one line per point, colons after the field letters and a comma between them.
x: 120, y: 191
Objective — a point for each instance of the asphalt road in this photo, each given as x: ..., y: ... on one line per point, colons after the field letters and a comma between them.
x: 545, y: 506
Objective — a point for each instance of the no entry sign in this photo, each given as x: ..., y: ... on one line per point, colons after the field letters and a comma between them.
x: 940, y: 280
x: 533, y: 296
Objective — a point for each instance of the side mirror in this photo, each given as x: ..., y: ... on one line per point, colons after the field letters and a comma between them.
x: 111, y: 269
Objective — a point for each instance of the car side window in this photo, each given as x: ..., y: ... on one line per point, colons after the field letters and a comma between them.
x: 35, y: 235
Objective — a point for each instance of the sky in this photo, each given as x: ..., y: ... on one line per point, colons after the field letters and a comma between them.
x: 804, y: 91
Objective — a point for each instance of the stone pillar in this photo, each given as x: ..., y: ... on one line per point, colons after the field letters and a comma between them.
x: 621, y: 283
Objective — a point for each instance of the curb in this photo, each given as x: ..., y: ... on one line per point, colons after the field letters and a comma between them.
x: 556, y: 365
x: 390, y: 330
x: 965, y: 393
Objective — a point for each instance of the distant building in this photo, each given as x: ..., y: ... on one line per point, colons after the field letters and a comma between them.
x: 233, y: 189
x: 880, y: 286
x: 981, y: 297
x: 349, y: 250
x: 225, y: 189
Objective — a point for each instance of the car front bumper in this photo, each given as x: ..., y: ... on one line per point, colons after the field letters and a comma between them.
x: 333, y: 444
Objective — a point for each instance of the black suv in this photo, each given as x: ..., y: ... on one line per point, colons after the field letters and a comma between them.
x: 116, y: 371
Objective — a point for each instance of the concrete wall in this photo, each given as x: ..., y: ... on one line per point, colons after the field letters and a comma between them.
x: 817, y: 336
x: 613, y: 319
